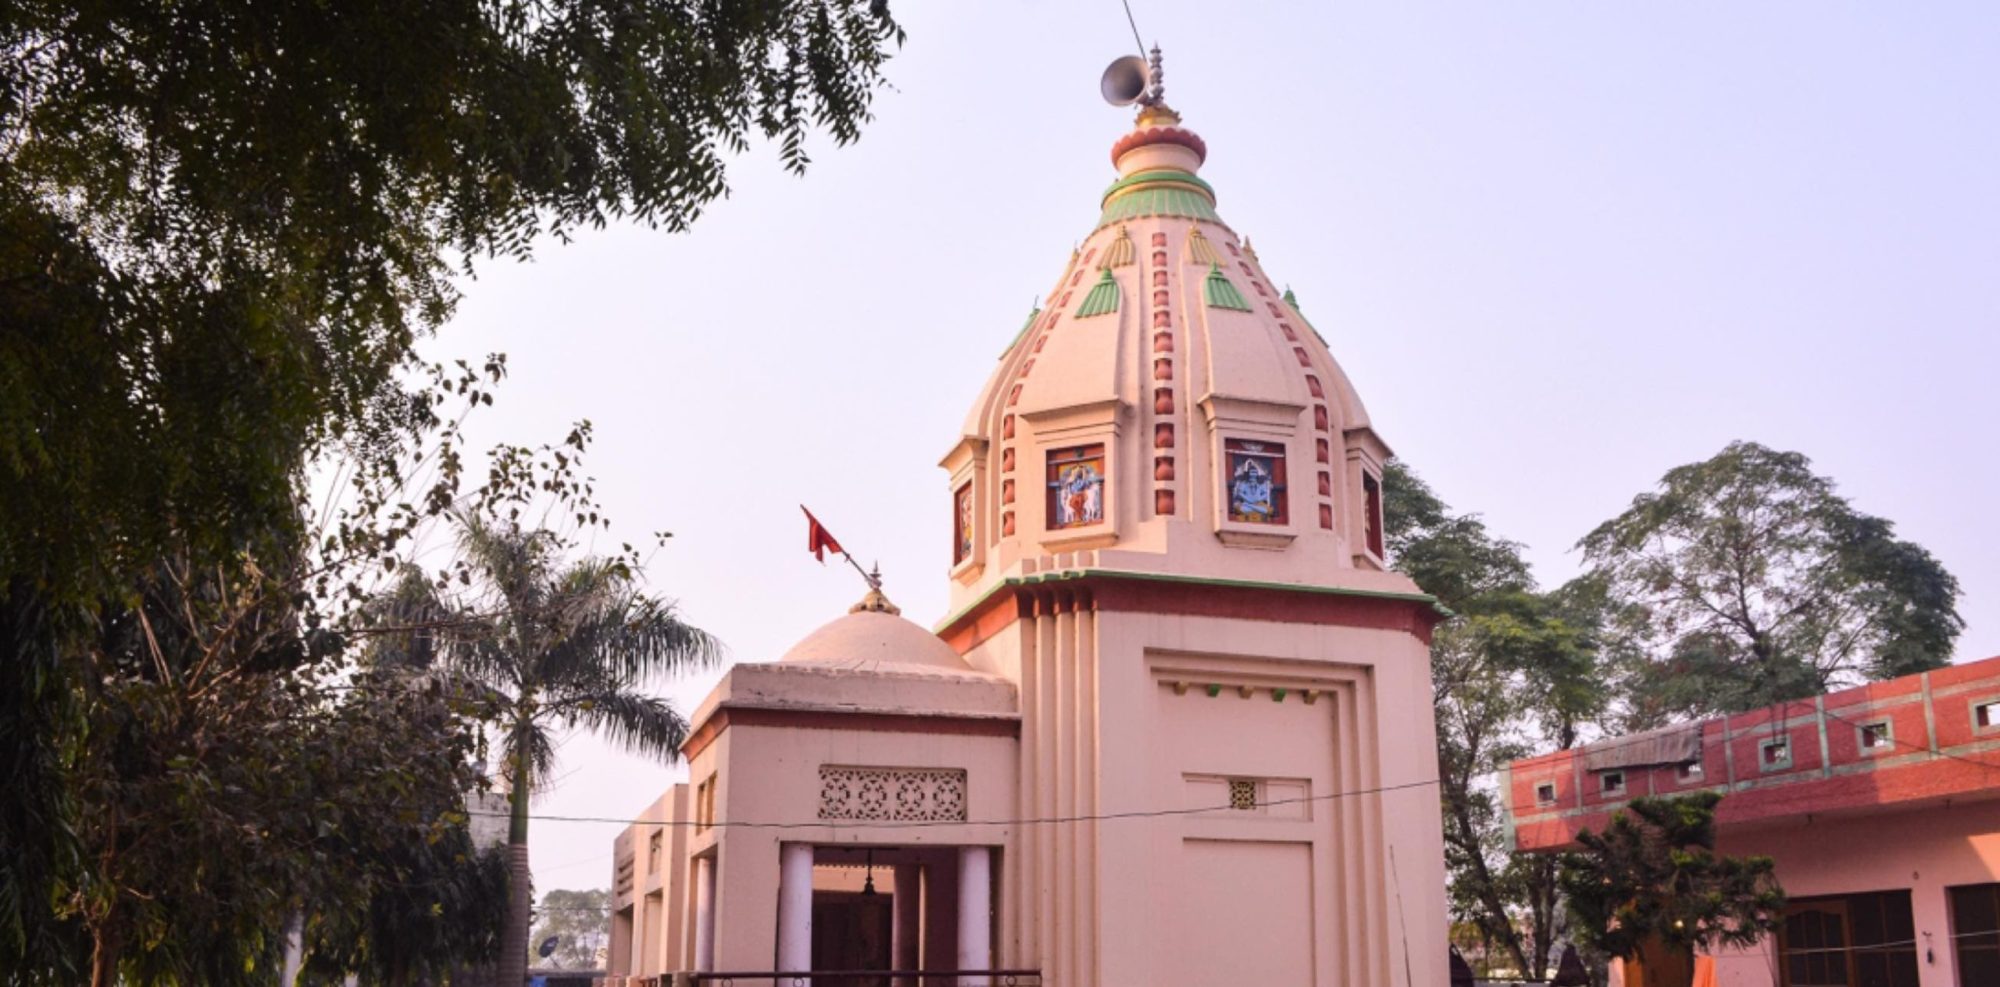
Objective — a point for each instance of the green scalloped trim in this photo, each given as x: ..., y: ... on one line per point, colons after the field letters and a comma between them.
x: 1158, y: 201
x: 1220, y: 293
x: 1103, y: 297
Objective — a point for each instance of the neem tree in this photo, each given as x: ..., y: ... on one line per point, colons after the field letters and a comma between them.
x: 1651, y: 887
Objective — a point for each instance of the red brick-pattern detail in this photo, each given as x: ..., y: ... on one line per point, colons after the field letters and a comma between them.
x: 1300, y: 352
x: 1273, y: 306
x: 1007, y: 427
x: 1324, y: 451
x: 1027, y: 365
x: 1319, y: 417
x: 1326, y: 516
x: 1325, y: 484
x: 1075, y: 279
x: 1312, y: 385
x: 1164, y: 473
x: 1064, y: 304
x: 1014, y: 396
x: 1007, y: 460
x: 1041, y: 341
x: 1233, y: 252
x: 1259, y: 285
x: 1007, y: 524
x: 1006, y: 491
x: 1087, y: 257
x: 1286, y: 328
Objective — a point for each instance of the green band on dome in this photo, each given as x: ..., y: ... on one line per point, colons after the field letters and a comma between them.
x: 1160, y: 192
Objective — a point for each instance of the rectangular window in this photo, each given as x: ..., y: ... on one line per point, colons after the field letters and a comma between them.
x: 1371, y: 495
x: 1975, y: 932
x: 653, y: 852
x: 1688, y: 773
x: 1850, y: 939
x: 1876, y: 737
x: 1256, y: 483
x: 704, y: 804
x: 1611, y: 783
x: 1545, y: 793
x: 1775, y: 754
x: 1986, y: 715
x: 961, y: 524
x: 1076, y: 486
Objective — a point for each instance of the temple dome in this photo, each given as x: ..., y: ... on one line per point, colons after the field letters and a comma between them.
x: 1168, y: 408
x: 875, y: 639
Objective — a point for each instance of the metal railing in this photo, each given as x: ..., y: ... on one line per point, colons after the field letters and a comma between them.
x: 867, y: 978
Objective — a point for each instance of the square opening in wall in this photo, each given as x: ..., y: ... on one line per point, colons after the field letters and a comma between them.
x: 1075, y: 486
x: 1775, y: 754
x: 1243, y: 794
x: 1986, y: 715
x: 1688, y: 773
x: 1611, y: 783
x: 1545, y: 793
x: 1876, y: 737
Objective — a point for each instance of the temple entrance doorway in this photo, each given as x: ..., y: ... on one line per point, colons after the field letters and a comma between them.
x: 852, y: 931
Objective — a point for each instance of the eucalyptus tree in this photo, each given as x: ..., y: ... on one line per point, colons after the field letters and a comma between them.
x: 1746, y: 579
x: 535, y: 642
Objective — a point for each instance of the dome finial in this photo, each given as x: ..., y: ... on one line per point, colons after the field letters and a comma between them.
x: 875, y: 601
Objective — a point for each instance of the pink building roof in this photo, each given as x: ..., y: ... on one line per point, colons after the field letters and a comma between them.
x: 1904, y: 744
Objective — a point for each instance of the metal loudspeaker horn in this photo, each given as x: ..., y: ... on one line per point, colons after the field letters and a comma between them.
x: 1125, y: 81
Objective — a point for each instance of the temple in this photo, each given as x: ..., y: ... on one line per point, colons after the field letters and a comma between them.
x: 1176, y: 726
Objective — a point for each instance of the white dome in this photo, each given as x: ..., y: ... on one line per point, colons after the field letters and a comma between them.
x: 870, y: 640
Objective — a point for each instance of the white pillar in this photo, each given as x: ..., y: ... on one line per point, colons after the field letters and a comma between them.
x: 704, y: 915
x: 795, y: 906
x: 975, y: 912
x: 909, y: 909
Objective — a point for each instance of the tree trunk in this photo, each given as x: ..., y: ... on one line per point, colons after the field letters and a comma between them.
x: 512, y: 970
x: 1662, y: 965
x: 104, y: 947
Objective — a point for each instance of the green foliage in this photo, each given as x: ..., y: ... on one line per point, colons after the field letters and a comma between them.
x: 1653, y: 874
x: 531, y: 641
x: 222, y: 228
x: 1746, y: 580
x: 1514, y: 669
x: 580, y: 921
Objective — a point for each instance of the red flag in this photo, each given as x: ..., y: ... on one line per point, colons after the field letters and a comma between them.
x: 819, y: 540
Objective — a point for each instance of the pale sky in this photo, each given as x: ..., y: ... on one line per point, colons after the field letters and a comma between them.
x: 1560, y: 247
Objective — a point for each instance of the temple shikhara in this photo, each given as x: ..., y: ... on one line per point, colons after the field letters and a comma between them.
x: 1175, y: 728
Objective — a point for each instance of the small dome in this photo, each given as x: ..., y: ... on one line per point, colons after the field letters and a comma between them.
x: 874, y: 639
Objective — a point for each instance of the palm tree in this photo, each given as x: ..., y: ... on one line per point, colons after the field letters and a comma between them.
x: 536, y: 642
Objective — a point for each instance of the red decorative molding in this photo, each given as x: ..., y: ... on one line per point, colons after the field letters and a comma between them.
x: 1160, y: 135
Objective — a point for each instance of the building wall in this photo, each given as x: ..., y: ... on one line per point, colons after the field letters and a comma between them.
x: 1117, y: 718
x: 1923, y: 852
x: 649, y: 896
x: 767, y: 773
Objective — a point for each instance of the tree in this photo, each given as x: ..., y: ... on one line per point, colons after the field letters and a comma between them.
x: 539, y: 643
x: 580, y: 921
x: 1746, y: 580
x: 1652, y: 886
x: 1512, y: 666
x: 222, y: 229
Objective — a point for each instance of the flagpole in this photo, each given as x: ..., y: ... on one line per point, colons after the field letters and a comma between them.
x: 873, y: 580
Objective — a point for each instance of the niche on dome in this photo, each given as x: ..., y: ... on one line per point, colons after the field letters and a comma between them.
x: 1072, y: 454
x: 1250, y: 443
x: 1363, y: 510
x: 971, y: 502
x: 961, y: 524
x: 1075, y: 482
x: 1254, y: 483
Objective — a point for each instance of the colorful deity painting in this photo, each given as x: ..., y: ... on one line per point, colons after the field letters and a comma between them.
x: 1076, y: 486
x: 1256, y: 481
x: 961, y: 524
